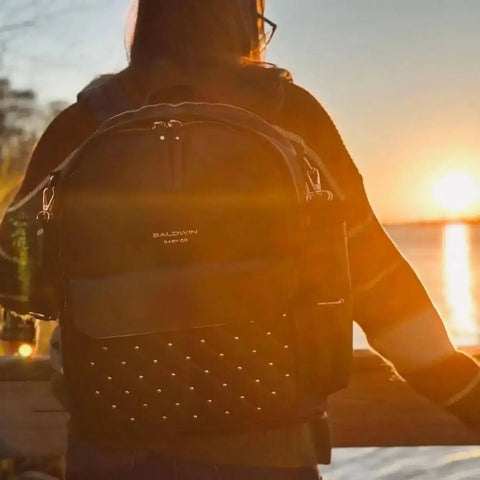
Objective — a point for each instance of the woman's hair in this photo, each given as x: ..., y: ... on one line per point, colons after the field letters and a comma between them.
x: 186, y: 31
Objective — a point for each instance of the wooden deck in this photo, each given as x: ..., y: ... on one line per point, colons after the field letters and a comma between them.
x: 376, y: 410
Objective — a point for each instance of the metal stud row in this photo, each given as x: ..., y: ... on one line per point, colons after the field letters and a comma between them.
x: 123, y: 363
x: 206, y: 372
x: 194, y: 416
x: 159, y: 390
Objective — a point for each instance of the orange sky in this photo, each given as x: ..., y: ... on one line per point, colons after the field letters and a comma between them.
x: 401, y: 80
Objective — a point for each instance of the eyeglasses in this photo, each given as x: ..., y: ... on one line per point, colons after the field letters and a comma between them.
x: 268, y: 33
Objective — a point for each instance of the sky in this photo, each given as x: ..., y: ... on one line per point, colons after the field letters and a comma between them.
x: 400, y: 79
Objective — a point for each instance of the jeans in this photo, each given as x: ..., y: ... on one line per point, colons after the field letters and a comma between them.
x: 86, y: 461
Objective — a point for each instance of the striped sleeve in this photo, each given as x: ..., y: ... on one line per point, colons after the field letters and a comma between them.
x: 390, y: 302
x: 402, y: 325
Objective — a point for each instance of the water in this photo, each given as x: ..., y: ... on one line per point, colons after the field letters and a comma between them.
x: 447, y: 260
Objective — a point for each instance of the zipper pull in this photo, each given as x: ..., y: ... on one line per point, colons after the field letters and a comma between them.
x: 177, y: 153
x: 173, y: 125
x: 160, y: 125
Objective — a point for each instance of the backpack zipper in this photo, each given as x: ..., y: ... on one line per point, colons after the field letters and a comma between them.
x: 170, y: 131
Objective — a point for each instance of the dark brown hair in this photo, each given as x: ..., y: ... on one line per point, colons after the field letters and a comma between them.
x: 185, y: 31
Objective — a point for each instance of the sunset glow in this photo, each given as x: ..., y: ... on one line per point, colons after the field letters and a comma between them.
x: 456, y: 193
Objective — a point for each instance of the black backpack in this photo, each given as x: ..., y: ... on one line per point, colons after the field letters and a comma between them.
x: 195, y: 256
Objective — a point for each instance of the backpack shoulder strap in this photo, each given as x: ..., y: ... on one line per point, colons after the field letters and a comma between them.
x: 105, y: 97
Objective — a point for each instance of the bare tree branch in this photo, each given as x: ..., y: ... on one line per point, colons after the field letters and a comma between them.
x: 16, y: 26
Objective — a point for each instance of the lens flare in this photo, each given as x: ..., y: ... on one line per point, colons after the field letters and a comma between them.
x: 25, y: 350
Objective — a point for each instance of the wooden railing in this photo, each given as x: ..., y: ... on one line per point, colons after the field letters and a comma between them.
x: 376, y: 410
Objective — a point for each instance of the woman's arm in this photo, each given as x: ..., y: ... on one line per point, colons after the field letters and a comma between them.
x: 401, y: 323
x: 390, y: 303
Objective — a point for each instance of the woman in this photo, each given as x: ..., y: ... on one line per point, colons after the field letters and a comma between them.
x: 211, y: 51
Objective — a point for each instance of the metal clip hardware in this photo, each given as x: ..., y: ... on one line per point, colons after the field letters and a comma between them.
x: 47, y: 203
x: 314, y: 185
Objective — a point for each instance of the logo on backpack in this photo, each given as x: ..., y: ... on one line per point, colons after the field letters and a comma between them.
x: 175, y: 236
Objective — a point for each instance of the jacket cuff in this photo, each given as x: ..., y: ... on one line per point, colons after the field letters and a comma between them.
x: 454, y: 384
x: 466, y: 404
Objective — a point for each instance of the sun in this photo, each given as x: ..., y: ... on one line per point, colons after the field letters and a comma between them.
x: 456, y: 193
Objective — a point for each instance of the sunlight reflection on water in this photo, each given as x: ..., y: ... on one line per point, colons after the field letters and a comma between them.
x: 457, y: 283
